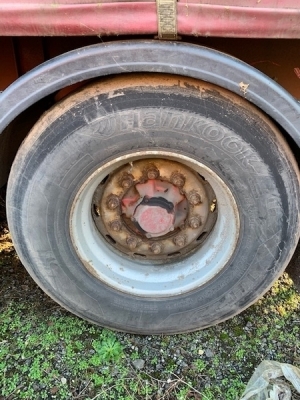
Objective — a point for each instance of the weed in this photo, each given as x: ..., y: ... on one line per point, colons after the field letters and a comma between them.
x: 200, y: 365
x: 108, y: 349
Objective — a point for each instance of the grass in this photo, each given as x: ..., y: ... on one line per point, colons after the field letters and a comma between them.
x: 47, y: 353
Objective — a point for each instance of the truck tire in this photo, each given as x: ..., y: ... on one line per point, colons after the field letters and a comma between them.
x: 154, y: 203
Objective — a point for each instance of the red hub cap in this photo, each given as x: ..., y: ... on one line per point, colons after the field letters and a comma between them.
x: 154, y: 219
x: 158, y: 208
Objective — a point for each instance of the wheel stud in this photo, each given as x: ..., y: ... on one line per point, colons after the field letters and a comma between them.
x: 156, y: 248
x: 112, y: 202
x: 115, y: 225
x: 126, y: 181
x: 195, y: 222
x: 132, y: 242
x: 179, y: 240
x: 194, y: 198
x: 152, y: 172
x: 177, y: 179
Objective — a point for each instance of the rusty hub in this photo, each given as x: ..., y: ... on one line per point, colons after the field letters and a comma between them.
x: 154, y: 209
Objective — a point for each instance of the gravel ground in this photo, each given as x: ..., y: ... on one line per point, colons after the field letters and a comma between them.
x: 46, y: 353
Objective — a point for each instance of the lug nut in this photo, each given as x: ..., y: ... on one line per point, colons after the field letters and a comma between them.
x: 112, y: 202
x: 156, y: 248
x: 115, y: 225
x: 126, y: 181
x: 132, y: 242
x: 152, y: 172
x: 194, y: 198
x: 179, y: 240
x: 177, y: 179
x: 195, y: 222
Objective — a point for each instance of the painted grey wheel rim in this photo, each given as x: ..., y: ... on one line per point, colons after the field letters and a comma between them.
x: 149, y: 279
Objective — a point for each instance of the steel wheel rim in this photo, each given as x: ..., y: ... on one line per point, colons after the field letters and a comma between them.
x: 146, y: 280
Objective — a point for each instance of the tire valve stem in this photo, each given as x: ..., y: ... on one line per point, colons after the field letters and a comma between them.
x: 213, y: 205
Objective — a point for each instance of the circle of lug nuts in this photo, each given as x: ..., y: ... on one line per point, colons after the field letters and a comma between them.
x: 156, y: 248
x: 112, y: 202
x: 175, y: 183
x: 177, y: 179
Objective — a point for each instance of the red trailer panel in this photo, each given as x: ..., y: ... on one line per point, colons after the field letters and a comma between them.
x: 257, y: 19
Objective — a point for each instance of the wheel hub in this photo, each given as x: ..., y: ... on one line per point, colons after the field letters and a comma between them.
x: 114, y: 250
x: 154, y: 209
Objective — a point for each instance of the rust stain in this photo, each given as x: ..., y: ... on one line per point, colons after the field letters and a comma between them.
x: 90, y: 268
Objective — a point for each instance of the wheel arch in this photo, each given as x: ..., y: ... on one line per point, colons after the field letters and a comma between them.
x: 156, y: 57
